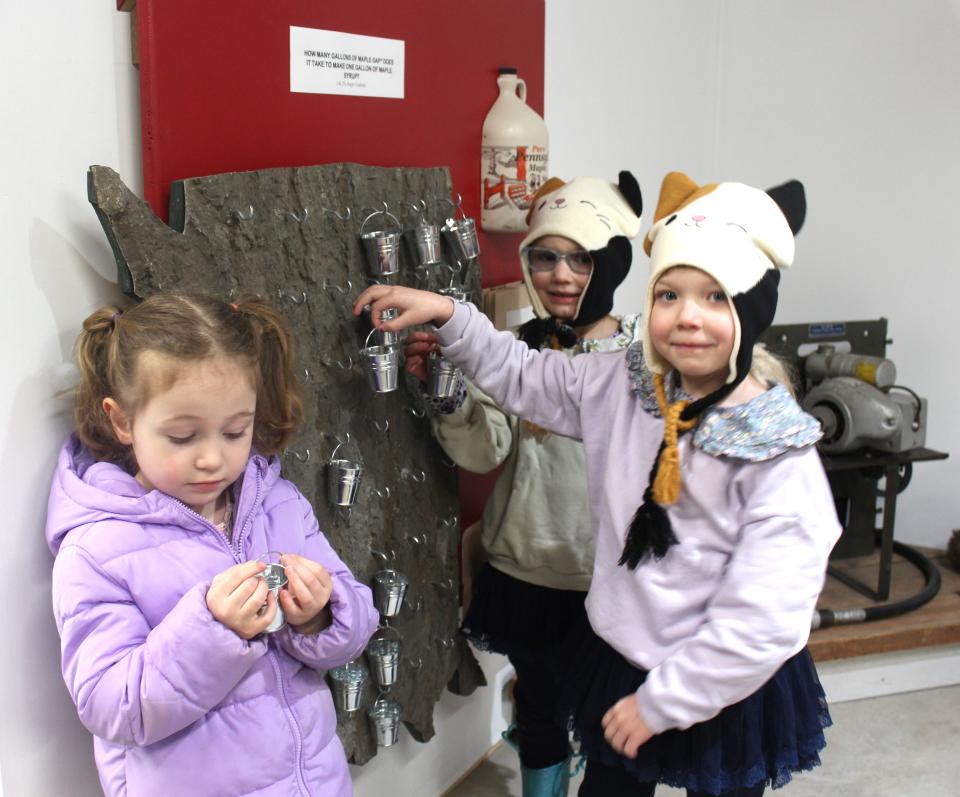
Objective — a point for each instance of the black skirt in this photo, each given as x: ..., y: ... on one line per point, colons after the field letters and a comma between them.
x: 763, y: 738
x: 507, y: 615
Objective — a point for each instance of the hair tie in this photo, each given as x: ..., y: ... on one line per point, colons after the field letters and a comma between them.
x: 113, y: 319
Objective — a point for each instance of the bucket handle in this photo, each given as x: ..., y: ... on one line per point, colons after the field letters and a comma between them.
x: 347, y: 442
x: 385, y: 212
x: 366, y: 343
x: 454, y: 206
x: 383, y: 630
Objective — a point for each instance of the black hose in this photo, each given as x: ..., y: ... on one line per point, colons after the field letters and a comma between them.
x: 824, y: 618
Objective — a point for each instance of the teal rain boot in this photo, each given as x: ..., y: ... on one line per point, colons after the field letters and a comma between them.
x: 547, y: 782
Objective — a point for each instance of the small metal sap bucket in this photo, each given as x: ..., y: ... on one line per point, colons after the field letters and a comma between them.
x: 384, y: 717
x: 348, y: 682
x: 381, y: 247
x: 382, y: 364
x: 383, y: 653
x: 389, y: 587
x: 275, y: 575
x: 343, y: 479
x: 388, y: 338
x: 462, y: 237
x: 444, y: 378
x: 424, y: 241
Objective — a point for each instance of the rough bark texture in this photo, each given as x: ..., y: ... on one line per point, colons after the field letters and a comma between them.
x: 282, y: 233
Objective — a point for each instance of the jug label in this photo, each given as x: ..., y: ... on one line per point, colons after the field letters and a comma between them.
x: 512, y: 175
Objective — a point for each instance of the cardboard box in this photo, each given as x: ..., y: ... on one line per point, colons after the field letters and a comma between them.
x: 507, y: 306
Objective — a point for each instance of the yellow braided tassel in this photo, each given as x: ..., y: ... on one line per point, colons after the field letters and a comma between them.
x: 666, y: 485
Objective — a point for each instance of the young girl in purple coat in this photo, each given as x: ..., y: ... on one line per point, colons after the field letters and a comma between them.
x: 711, y: 545
x: 166, y: 504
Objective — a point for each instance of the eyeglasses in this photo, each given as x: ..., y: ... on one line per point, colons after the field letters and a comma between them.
x: 541, y: 259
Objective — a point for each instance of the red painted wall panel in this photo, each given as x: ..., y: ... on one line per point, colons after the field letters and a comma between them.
x: 215, y: 91
x: 215, y: 97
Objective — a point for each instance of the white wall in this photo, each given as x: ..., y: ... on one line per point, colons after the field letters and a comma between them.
x: 859, y: 99
x: 856, y: 98
x: 67, y: 99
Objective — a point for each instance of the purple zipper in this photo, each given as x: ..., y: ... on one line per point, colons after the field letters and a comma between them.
x: 297, y: 732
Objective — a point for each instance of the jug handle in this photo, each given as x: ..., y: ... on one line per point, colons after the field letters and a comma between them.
x: 522, y: 89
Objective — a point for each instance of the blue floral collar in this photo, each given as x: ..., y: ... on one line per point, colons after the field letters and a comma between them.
x: 761, y: 429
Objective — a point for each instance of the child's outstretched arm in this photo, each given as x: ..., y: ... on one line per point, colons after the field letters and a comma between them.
x: 545, y: 387
x: 133, y: 684
x: 344, y: 624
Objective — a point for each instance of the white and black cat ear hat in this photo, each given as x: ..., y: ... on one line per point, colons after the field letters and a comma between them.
x: 601, y: 217
x: 739, y: 235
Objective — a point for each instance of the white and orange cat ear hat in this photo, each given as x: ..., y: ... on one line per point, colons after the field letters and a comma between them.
x: 739, y: 235
x: 591, y: 212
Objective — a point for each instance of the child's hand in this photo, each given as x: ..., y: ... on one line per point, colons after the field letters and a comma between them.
x: 236, y: 597
x: 419, y: 345
x: 624, y: 728
x: 305, y: 598
x: 415, y: 307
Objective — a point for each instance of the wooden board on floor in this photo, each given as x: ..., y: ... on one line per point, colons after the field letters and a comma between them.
x: 936, y: 623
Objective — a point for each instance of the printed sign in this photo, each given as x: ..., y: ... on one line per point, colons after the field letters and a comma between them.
x: 330, y: 62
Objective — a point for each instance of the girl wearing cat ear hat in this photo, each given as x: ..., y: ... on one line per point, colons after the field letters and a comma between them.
x: 713, y: 516
x: 536, y: 530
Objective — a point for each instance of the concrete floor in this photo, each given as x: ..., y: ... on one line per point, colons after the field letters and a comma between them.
x: 904, y: 745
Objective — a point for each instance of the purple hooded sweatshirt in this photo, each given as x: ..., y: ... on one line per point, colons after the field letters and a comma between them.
x: 177, y: 702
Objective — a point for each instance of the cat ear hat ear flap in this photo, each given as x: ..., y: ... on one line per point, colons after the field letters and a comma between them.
x: 599, y: 216
x: 739, y: 235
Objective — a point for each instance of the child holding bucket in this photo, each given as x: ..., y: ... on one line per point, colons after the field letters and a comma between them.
x: 711, y: 545
x: 536, y: 529
x: 164, y: 504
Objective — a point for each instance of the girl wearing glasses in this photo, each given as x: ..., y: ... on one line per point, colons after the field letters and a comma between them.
x: 536, y: 529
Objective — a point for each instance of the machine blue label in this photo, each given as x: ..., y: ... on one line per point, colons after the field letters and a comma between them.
x: 827, y: 330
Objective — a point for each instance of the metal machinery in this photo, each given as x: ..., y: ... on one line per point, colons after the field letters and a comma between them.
x: 874, y: 430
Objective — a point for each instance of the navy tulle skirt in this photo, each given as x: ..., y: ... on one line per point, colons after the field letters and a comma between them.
x: 763, y: 738
x: 507, y: 615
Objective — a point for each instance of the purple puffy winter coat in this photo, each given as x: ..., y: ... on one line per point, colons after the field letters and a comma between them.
x: 178, y: 703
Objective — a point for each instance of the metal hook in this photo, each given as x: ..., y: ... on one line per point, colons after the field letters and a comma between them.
x: 340, y: 442
x: 239, y: 215
x: 420, y: 208
x: 445, y: 586
x: 382, y: 555
x: 386, y: 425
x: 450, y: 522
x: 306, y: 374
x: 417, y: 539
x: 299, y: 218
x: 346, y: 366
x: 448, y: 643
x: 413, y: 607
x: 417, y: 412
x: 422, y: 273
x: 294, y: 299
x: 343, y: 512
x: 342, y: 217
x: 453, y: 272
x: 304, y: 457
x: 384, y: 493
x: 329, y: 286
x: 447, y: 461
x: 413, y: 476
